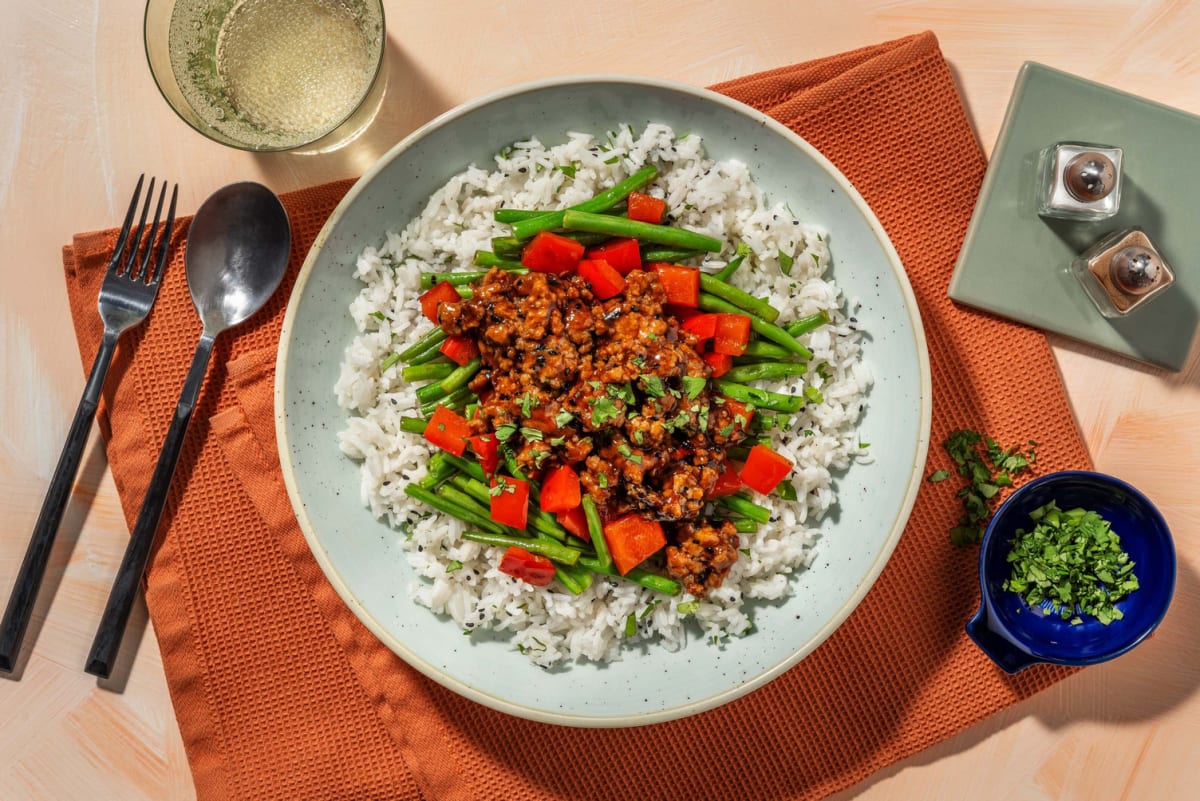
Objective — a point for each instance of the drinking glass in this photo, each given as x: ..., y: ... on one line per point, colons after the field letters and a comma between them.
x: 269, y: 75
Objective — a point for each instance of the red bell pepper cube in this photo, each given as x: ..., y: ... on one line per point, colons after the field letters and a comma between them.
x: 437, y: 295
x: 448, y: 430
x: 487, y: 450
x: 732, y: 334
x: 459, y: 350
x: 682, y: 284
x: 703, y: 326
x: 727, y: 483
x: 560, y: 490
x: 510, y: 501
x: 575, y: 521
x: 764, y: 469
x: 718, y: 362
x: 645, y: 208
x: 529, y: 567
x: 623, y: 254
x: 632, y: 539
x: 605, y: 281
x: 551, y: 253
x: 742, y: 413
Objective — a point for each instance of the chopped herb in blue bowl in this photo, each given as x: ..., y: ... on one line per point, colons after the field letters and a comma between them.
x: 1075, y: 568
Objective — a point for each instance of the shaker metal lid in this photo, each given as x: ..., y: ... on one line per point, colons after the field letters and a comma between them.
x: 1089, y: 176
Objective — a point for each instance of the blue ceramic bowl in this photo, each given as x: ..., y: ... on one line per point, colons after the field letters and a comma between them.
x: 1016, y: 635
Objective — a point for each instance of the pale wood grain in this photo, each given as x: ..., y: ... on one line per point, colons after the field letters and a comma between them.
x: 80, y: 117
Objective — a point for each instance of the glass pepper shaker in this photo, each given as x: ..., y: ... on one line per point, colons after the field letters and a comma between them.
x: 1123, y: 271
x: 1079, y: 181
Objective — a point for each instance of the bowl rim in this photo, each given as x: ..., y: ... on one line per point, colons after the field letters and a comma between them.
x: 924, y: 398
x: 987, y: 602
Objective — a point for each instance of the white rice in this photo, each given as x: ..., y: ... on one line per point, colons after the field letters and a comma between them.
x: 719, y: 198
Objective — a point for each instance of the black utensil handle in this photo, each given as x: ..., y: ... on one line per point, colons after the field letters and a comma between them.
x: 129, y: 575
x: 37, y: 554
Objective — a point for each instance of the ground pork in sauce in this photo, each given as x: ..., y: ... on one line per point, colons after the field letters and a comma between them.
x: 614, y: 388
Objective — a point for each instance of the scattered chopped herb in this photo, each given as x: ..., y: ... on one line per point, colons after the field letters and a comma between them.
x: 649, y: 608
x: 688, y: 607
x: 557, y: 441
x: 505, y: 431
x: 612, y: 160
x: 603, y: 410
x: 563, y: 418
x: 813, y: 395
x: 532, y: 434
x: 639, y: 437
x: 621, y: 391
x: 453, y: 565
x: 785, y: 263
x: 726, y: 430
x: 602, y: 480
x: 528, y: 401
x: 816, y: 259
x: 501, y: 487
x: 745, y: 552
x: 624, y: 450
x: 568, y: 169
x: 653, y: 385
x: 631, y: 625
x: 935, y: 476
x: 1073, y: 561
x: 987, y: 468
x: 693, y: 385
x: 378, y: 315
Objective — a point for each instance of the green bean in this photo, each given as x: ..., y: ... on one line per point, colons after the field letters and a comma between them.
x: 738, y: 453
x: 428, y: 393
x: 524, y: 229
x: 764, y: 371
x: 548, y: 548
x: 428, y: 280
x: 641, y: 231
x: 439, y: 470
x: 786, y: 490
x: 711, y: 303
x: 486, y: 258
x: 462, y: 375
x: 738, y: 297
x: 542, y: 522
x: 412, y: 425
x: 472, y: 469
x: 739, y: 256
x: 432, y: 339
x: 669, y: 255
x: 455, y: 401
x: 806, y: 324
x: 745, y: 525
x: 575, y: 578
x: 510, y: 248
x: 430, y: 371
x: 745, y: 507
x: 637, y: 575
x: 388, y: 361
x: 761, y: 398
x: 596, y: 531
x: 509, y: 216
x: 437, y: 501
x: 767, y: 351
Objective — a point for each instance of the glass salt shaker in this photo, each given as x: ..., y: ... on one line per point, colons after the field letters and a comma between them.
x: 1123, y: 271
x: 1079, y: 181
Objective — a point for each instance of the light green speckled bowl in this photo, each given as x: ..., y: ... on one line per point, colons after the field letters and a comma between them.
x: 362, y: 556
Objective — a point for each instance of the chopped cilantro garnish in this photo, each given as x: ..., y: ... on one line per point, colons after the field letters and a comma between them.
x: 505, y: 431
x: 653, y: 385
x: 378, y: 315
x: 649, y: 608
x: 612, y: 160
x: 622, y: 391
x: 568, y: 169
x: 453, y: 565
x: 631, y: 625
x: 688, y: 607
x: 813, y: 395
x: 693, y: 385
x: 1074, y: 561
x: 602, y: 480
x: 987, y: 468
x: 528, y: 401
x: 936, y: 475
x: 785, y: 263
x: 624, y: 450
x: 532, y: 434
x: 603, y: 410
x: 563, y: 418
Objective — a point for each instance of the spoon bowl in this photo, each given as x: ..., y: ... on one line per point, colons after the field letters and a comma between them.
x: 237, y: 253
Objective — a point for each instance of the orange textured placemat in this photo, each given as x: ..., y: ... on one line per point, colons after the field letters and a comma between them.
x: 281, y: 693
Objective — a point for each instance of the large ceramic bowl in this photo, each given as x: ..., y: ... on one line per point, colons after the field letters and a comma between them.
x: 362, y: 557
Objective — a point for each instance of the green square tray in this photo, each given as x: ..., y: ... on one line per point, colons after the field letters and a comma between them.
x: 1017, y: 265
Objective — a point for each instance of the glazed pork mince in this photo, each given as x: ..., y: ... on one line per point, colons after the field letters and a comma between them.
x: 616, y: 386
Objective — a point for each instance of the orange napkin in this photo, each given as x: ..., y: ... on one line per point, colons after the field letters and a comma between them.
x: 280, y: 692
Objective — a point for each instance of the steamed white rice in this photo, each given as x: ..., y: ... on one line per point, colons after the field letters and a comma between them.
x: 460, y: 578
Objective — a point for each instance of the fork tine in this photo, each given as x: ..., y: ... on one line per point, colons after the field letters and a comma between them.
x: 142, y: 273
x: 164, y: 245
x: 118, y: 251
x: 131, y: 259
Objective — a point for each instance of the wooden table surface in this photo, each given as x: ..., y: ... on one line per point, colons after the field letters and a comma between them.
x: 80, y: 117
